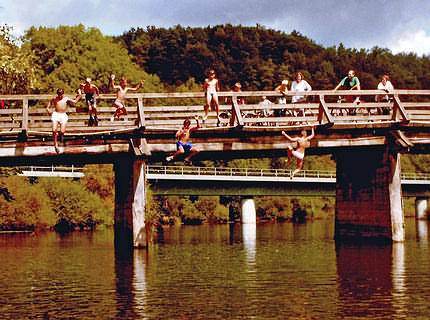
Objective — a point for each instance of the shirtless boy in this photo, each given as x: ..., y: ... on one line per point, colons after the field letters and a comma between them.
x: 119, y: 103
x: 91, y: 92
x: 57, y: 108
x: 303, y: 142
x: 211, y: 88
x: 183, y: 145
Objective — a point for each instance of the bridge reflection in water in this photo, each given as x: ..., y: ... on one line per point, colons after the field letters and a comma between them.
x: 368, y: 280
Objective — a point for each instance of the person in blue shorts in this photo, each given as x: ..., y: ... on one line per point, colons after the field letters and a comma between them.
x: 183, y: 145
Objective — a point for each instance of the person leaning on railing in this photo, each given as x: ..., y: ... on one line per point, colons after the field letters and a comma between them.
x: 350, y: 82
x: 388, y: 87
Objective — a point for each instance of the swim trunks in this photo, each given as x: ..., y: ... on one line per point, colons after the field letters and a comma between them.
x: 89, y: 98
x: 298, y: 154
x: 60, y: 117
x: 186, y: 146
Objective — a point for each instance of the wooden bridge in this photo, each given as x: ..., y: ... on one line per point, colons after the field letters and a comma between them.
x: 365, y: 138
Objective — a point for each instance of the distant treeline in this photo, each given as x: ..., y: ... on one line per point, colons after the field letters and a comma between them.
x: 260, y: 58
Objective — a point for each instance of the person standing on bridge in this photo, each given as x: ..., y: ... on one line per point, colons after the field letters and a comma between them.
x: 91, y: 92
x: 211, y: 88
x: 119, y: 103
x: 300, y: 85
x: 282, y: 89
x: 57, y: 108
x: 303, y: 142
x: 183, y: 145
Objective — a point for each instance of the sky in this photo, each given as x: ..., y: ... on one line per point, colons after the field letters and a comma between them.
x: 400, y: 25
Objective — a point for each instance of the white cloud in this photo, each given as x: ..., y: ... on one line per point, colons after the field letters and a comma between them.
x: 417, y: 42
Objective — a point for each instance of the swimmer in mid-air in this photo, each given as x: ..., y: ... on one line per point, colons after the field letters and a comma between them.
x: 91, y: 92
x: 303, y: 142
x: 183, y: 145
x: 119, y: 103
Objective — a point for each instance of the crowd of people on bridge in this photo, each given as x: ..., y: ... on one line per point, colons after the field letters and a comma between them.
x: 57, y: 107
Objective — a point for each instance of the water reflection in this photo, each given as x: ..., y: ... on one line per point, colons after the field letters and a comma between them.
x: 399, y: 280
x: 372, y: 278
x: 249, y: 236
x: 124, y: 283
x: 422, y: 227
x: 364, y: 279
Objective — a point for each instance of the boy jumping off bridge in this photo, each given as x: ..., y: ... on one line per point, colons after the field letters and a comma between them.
x: 183, y: 145
x: 119, y: 103
x: 91, y: 92
x: 58, y: 115
x: 303, y: 142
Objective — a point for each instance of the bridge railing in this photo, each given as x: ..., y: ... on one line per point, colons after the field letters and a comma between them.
x: 191, y: 171
x: 167, y: 111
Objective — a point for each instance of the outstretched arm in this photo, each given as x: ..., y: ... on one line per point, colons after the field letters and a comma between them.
x: 338, y: 86
x: 289, y: 138
x: 140, y: 85
x: 198, y: 124
x: 112, y: 82
x: 312, y: 135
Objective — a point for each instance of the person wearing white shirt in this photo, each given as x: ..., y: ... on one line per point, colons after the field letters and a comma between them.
x: 388, y: 87
x: 300, y: 85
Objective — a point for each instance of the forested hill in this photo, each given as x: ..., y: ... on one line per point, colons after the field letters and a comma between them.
x: 260, y: 58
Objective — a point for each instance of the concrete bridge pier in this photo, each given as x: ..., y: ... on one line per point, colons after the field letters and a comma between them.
x: 421, y: 207
x: 248, y: 213
x: 368, y: 195
x: 130, y: 203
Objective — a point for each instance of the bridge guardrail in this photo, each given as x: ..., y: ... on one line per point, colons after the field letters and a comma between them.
x: 253, y: 172
x: 161, y: 111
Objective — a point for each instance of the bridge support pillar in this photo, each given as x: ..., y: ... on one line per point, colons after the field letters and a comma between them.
x: 421, y: 207
x: 368, y: 195
x: 130, y: 203
x: 248, y: 212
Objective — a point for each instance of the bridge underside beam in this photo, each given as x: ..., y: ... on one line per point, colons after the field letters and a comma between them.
x: 130, y: 203
x: 368, y: 195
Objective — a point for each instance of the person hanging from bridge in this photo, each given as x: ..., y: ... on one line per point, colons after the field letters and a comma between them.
x: 57, y: 108
x: 211, y: 88
x: 91, y: 92
x: 119, y: 102
x: 303, y: 142
x: 183, y: 145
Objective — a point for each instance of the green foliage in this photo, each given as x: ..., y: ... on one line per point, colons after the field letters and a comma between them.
x: 66, y: 55
x: 75, y: 205
x: 99, y: 179
x: 260, y: 58
x: 30, y: 208
x: 212, y: 209
x: 16, y: 68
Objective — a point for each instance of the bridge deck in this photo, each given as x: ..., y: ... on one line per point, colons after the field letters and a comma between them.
x: 25, y: 127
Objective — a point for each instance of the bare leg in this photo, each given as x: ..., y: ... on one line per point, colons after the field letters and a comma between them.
x: 176, y: 154
x: 193, y: 152
x: 290, y: 154
x: 55, y: 134
x: 215, y: 100
x: 299, y: 167
x: 207, y: 106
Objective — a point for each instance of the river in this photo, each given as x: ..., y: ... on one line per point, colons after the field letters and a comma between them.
x: 271, y: 271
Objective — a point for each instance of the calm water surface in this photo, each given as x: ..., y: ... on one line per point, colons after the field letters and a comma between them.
x: 273, y: 271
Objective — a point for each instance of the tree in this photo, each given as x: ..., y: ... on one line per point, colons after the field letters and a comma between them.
x: 66, y: 55
x: 16, y: 70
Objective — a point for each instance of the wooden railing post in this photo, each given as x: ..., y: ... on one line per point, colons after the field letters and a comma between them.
x: 399, y: 109
x: 324, y: 116
x: 24, y: 124
x: 235, y: 113
x: 141, y: 113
